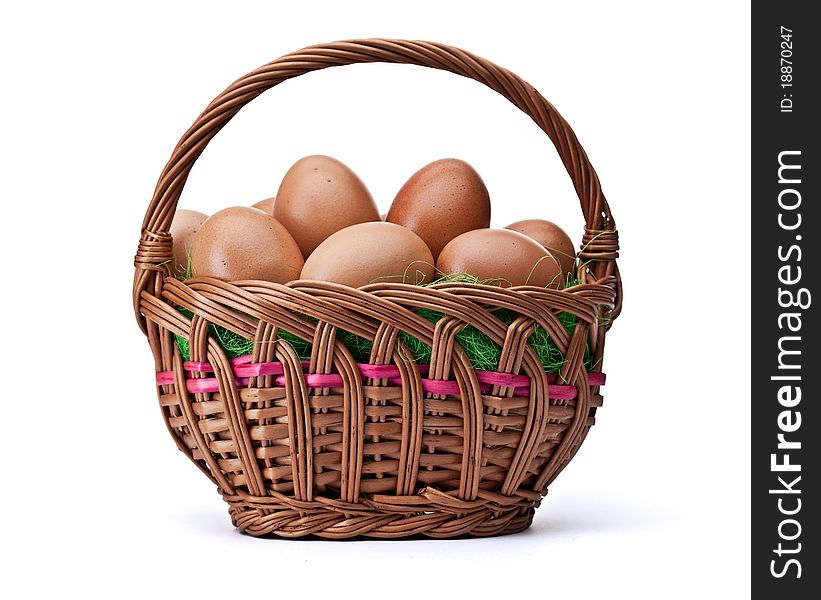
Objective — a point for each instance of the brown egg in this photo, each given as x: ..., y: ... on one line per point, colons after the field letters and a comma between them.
x: 441, y: 201
x: 245, y: 243
x: 552, y: 237
x: 266, y: 205
x: 185, y: 225
x: 500, y: 257
x: 371, y: 253
x: 319, y: 196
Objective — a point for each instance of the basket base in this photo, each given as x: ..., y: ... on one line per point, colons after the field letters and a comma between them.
x: 364, y: 521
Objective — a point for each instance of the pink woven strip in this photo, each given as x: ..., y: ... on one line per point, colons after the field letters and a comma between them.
x: 244, y: 370
x: 199, y: 367
x: 502, y: 379
x: 378, y: 371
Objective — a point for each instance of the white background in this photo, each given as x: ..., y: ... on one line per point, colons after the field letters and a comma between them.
x: 98, y: 501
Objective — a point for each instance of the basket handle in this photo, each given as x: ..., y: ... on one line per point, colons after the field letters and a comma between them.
x: 599, y: 243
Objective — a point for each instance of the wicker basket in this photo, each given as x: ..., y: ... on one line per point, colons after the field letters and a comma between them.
x: 332, y: 448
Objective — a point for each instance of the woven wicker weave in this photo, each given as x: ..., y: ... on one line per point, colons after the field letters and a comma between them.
x: 390, y: 449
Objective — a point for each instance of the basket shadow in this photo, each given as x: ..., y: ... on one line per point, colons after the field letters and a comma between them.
x: 585, y: 515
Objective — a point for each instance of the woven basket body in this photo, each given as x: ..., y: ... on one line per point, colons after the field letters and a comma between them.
x: 333, y: 448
